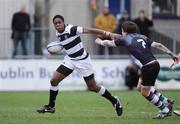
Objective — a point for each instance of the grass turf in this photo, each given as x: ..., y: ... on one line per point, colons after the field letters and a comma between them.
x: 80, y: 108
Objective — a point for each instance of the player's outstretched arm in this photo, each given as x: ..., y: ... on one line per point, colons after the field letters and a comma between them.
x: 167, y: 51
x: 96, y: 31
x: 115, y: 36
x: 108, y: 43
x: 101, y: 32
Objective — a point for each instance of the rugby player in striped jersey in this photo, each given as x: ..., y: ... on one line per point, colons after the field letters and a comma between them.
x: 76, y: 59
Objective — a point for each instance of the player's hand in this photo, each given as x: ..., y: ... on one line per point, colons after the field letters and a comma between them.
x: 175, y: 59
x: 113, y: 36
x: 110, y: 35
x: 98, y: 41
x: 107, y: 34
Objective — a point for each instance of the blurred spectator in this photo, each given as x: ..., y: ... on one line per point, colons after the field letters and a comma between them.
x: 144, y: 23
x: 124, y: 17
x: 132, y: 73
x: 105, y: 21
x: 20, y: 27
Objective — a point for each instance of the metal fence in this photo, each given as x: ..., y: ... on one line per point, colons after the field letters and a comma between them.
x: 39, y: 38
x: 168, y: 36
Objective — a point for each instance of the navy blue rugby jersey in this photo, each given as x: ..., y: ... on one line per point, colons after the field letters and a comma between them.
x: 138, y: 45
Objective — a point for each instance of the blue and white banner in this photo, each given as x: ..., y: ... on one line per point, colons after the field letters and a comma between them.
x: 24, y: 75
x: 36, y: 75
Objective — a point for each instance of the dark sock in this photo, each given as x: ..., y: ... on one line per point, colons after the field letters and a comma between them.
x: 108, y: 96
x: 52, y: 98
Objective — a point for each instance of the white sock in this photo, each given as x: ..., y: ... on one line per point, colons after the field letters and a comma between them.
x: 153, y: 90
x: 155, y: 99
x: 102, y: 91
x: 165, y: 110
x: 54, y: 88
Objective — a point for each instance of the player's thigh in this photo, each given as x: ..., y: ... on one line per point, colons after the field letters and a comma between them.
x: 57, y: 77
x: 61, y: 73
x: 91, y: 83
x: 65, y: 69
x: 149, y: 74
x: 84, y: 67
x: 139, y: 85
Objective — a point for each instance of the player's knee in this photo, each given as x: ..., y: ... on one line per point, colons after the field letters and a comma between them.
x: 144, y: 92
x: 54, y: 82
x: 93, y: 88
x: 139, y: 88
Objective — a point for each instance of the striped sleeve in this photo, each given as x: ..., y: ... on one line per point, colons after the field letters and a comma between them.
x: 76, y: 30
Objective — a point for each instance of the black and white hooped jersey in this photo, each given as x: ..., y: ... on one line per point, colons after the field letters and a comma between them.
x: 71, y: 42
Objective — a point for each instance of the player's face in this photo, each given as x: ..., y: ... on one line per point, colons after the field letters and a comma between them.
x: 59, y: 25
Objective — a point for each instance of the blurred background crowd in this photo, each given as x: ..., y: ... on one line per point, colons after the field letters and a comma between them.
x: 26, y: 25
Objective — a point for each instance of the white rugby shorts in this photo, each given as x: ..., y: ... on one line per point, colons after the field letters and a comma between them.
x: 83, y: 67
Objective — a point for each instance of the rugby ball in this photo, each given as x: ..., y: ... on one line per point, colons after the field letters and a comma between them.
x: 54, y: 47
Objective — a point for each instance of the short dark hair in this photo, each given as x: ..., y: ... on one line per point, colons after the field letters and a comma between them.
x: 130, y: 27
x: 58, y: 16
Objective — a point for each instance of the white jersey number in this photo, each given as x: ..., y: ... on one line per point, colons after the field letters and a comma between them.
x: 142, y: 42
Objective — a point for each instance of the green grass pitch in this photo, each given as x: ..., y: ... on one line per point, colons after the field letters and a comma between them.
x: 81, y: 108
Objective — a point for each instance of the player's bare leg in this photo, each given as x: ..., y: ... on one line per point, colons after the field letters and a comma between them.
x: 92, y: 86
x: 153, y: 98
x: 61, y: 73
x: 139, y: 85
x: 57, y: 77
x: 166, y: 101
